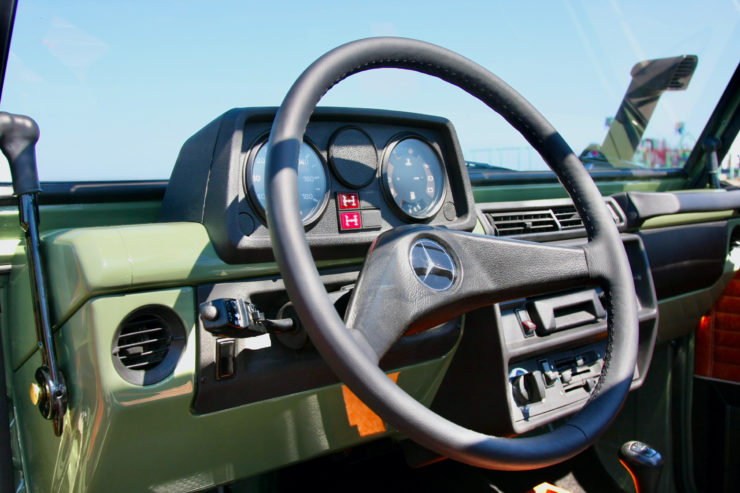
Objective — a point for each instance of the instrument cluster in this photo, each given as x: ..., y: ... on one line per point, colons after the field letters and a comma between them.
x: 360, y: 172
x: 411, y: 176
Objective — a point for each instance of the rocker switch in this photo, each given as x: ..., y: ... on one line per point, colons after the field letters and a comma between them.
x: 225, y: 358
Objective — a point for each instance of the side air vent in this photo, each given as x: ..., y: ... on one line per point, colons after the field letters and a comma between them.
x: 561, y: 217
x: 148, y: 344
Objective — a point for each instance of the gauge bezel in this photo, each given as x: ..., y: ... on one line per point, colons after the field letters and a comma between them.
x: 258, y: 144
x: 390, y: 146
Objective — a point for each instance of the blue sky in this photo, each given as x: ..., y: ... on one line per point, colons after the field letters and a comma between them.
x: 117, y: 88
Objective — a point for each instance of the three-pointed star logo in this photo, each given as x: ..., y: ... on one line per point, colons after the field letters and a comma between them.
x: 432, y: 264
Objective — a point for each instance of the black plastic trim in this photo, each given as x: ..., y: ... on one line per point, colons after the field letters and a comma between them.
x: 206, y: 185
x: 640, y: 206
x: 174, y: 330
x: 86, y: 192
x: 685, y: 258
x: 277, y: 370
x: 489, y: 178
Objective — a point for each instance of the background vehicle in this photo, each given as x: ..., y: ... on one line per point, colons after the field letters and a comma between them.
x: 164, y: 393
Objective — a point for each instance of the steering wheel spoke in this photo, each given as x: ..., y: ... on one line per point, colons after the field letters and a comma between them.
x: 418, y: 277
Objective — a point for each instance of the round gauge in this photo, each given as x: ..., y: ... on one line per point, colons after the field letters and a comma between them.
x: 414, y: 177
x: 313, y: 181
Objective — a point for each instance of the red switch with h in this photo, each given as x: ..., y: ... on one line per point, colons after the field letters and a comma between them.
x: 350, y: 220
x: 348, y: 200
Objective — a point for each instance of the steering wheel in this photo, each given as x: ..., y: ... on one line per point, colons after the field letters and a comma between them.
x: 389, y: 298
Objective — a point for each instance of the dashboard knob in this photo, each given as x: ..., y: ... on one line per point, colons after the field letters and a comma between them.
x: 528, y: 388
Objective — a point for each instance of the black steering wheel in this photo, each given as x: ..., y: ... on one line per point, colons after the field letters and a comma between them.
x: 388, y: 298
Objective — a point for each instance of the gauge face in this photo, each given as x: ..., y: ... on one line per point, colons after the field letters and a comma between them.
x: 313, y: 188
x: 414, y: 178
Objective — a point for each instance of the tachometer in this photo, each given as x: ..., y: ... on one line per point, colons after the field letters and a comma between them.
x: 414, y: 177
x: 313, y: 181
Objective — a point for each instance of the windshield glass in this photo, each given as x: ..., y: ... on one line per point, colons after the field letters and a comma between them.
x: 117, y: 88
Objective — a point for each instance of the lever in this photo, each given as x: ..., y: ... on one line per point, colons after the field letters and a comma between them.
x: 18, y: 137
x: 644, y: 464
x: 238, y: 318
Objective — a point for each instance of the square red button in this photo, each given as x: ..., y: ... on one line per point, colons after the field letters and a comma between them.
x: 350, y: 220
x: 348, y: 200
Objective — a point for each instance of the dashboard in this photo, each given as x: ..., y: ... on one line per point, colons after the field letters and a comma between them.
x: 360, y: 173
x: 524, y: 362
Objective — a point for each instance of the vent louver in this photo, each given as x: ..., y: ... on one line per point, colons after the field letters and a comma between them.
x: 567, y: 217
x: 148, y: 344
x: 560, y: 218
x: 143, y: 342
x: 509, y: 223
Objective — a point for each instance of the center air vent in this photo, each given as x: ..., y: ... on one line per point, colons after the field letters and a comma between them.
x: 562, y: 217
x: 509, y: 223
x: 148, y: 344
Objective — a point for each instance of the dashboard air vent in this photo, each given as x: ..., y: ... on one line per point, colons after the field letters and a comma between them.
x: 560, y: 217
x: 509, y: 223
x: 567, y: 217
x: 148, y: 344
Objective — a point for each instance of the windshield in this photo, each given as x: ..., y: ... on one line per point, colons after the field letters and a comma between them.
x: 117, y: 89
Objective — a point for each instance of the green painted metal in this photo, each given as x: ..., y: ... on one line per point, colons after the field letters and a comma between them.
x: 88, y: 262
x: 532, y: 191
x: 122, y: 437
x: 19, y: 332
x: 687, y: 218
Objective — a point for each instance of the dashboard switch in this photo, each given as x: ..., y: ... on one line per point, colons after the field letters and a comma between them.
x: 371, y: 219
x: 225, y: 358
x: 348, y: 201
x: 528, y: 326
x: 350, y: 221
x: 528, y: 388
x: 551, y: 376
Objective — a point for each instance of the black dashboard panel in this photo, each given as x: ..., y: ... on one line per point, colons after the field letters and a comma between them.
x: 211, y: 181
x: 686, y: 258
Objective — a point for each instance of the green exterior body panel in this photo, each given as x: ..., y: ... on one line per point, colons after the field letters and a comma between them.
x: 123, y: 437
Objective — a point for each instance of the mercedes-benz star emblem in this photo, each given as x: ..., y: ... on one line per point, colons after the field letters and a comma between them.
x: 432, y: 264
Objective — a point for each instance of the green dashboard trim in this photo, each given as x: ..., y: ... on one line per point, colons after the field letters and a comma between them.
x: 686, y: 218
x: 554, y: 190
x: 115, y: 432
x: 84, y: 263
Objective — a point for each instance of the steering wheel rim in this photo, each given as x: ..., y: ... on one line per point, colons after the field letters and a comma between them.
x: 349, y: 355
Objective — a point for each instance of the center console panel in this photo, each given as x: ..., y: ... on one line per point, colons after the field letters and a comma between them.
x: 540, y: 358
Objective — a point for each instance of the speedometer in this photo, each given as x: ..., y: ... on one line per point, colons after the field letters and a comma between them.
x: 313, y: 181
x: 414, y: 177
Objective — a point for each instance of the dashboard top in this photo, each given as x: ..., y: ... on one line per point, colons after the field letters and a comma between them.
x: 361, y: 172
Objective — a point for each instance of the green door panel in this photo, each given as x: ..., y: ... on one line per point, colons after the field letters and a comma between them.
x: 123, y: 437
